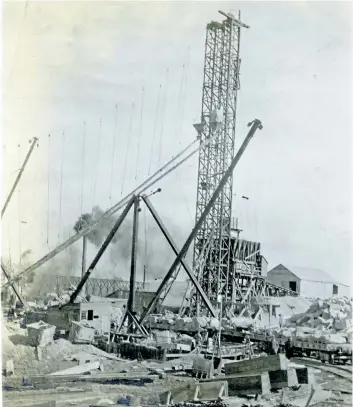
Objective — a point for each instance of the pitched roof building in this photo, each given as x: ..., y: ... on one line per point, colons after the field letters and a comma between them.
x: 308, y: 282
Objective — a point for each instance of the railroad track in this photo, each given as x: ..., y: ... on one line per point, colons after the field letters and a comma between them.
x: 344, y: 372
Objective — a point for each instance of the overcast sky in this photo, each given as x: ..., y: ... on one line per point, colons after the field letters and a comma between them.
x: 66, y: 63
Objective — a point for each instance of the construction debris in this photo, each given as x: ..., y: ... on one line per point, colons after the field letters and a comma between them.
x: 81, y: 332
x: 40, y: 334
x: 76, y: 370
x: 332, y: 315
x: 232, y: 346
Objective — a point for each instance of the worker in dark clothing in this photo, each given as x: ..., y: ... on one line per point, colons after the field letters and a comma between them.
x: 288, y: 349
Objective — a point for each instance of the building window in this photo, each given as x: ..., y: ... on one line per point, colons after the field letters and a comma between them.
x: 334, y: 289
x: 90, y: 315
x: 83, y: 315
x: 293, y: 285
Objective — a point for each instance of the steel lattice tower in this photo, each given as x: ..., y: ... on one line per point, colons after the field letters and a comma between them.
x: 218, y: 120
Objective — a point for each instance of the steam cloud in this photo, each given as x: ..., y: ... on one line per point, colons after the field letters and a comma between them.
x: 159, y: 255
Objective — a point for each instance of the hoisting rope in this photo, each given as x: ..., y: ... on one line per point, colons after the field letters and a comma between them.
x: 97, y: 164
x: 140, y: 189
x: 185, y: 92
x: 83, y: 164
x: 48, y: 197
x: 179, y: 104
x: 128, y: 146
x: 113, y: 155
x: 163, y: 115
x: 154, y: 128
x: 140, y: 134
x: 61, y: 183
x: 19, y: 206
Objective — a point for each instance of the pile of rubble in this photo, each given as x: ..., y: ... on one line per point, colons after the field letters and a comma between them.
x: 193, y: 324
x: 333, y: 314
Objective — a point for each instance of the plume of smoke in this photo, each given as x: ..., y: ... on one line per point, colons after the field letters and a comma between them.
x: 43, y: 281
x: 158, y: 258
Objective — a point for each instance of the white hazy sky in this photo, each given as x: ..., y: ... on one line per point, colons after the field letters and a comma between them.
x: 66, y: 63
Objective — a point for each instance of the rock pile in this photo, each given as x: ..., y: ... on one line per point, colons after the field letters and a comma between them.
x: 172, y: 321
x: 333, y: 314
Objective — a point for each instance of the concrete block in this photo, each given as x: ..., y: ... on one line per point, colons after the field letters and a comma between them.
x: 305, y: 375
x: 40, y: 333
x: 257, y: 365
x: 249, y: 384
x: 203, y: 391
x: 203, y: 366
x: 283, y: 378
x: 212, y: 390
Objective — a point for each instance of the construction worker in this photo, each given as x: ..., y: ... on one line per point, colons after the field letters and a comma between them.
x: 288, y: 348
x: 248, y: 343
x: 280, y: 321
x: 198, y: 339
x: 275, y: 346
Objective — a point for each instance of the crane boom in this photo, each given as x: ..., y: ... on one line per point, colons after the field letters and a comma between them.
x: 256, y: 124
x: 138, y: 190
x: 19, y: 175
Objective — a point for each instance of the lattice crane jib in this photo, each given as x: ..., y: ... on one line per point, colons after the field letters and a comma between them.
x: 218, y: 120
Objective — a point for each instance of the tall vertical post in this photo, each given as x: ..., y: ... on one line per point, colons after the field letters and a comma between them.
x: 144, y: 277
x: 135, y: 227
x: 83, y: 265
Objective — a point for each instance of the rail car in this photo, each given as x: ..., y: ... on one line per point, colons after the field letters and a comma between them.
x: 326, y: 352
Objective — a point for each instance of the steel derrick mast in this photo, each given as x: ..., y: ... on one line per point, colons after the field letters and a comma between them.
x: 218, y: 122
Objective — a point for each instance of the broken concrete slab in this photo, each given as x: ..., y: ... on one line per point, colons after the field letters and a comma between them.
x: 203, y: 391
x: 258, y: 365
x: 248, y: 384
x: 283, y: 378
x: 211, y: 391
x: 76, y: 370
